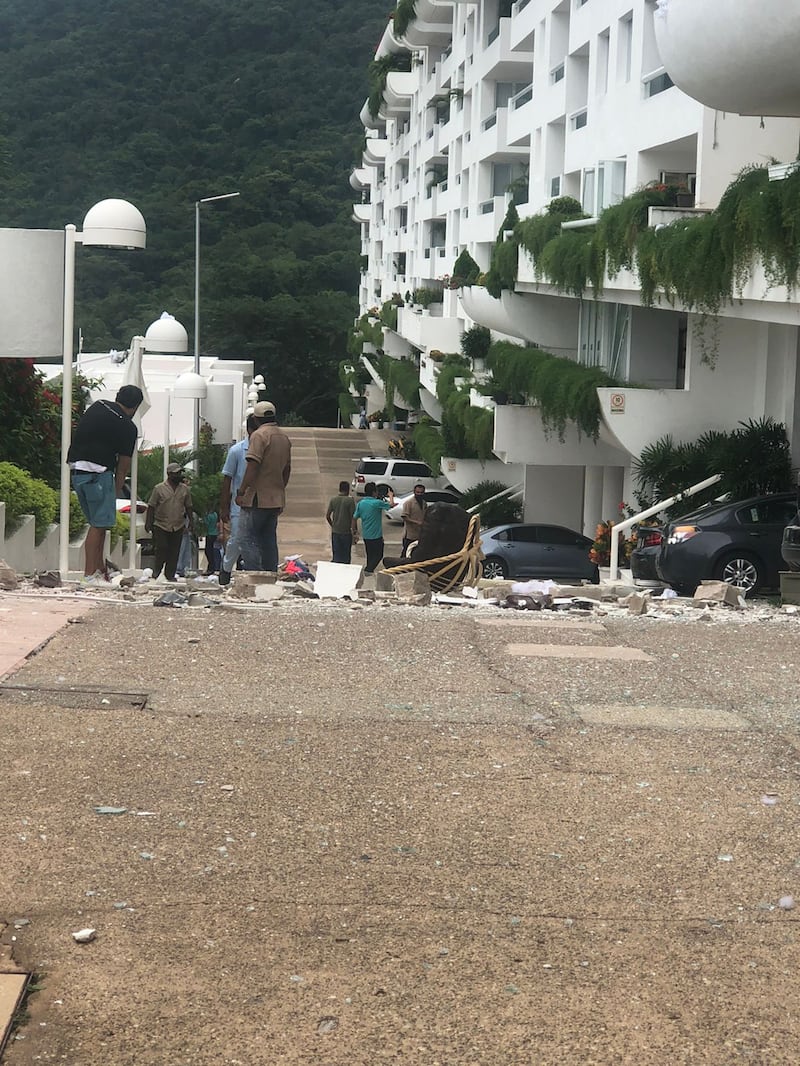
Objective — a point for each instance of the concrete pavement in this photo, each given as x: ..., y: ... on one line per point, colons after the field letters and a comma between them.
x: 356, y: 836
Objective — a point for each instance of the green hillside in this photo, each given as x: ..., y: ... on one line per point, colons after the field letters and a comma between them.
x: 166, y: 102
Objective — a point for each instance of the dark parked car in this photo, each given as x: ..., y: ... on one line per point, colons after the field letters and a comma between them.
x: 524, y: 550
x: 645, y: 556
x: 737, y: 541
x: 790, y: 545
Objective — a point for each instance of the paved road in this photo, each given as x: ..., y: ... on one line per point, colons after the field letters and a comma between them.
x: 404, y: 835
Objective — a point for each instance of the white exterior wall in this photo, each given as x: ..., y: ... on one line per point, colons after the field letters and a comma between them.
x: 601, y: 112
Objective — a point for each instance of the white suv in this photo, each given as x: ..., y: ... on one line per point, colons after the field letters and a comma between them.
x: 400, y: 475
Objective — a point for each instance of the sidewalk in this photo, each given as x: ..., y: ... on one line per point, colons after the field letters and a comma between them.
x: 27, y: 622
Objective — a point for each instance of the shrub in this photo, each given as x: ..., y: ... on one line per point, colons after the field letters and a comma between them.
x: 77, y: 519
x: 23, y: 494
x: 496, y: 513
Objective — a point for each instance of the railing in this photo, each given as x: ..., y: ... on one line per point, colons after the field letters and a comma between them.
x: 512, y: 492
x: 622, y: 527
x: 522, y: 98
x: 489, y: 122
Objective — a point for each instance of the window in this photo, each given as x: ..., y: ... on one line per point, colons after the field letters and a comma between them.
x: 602, y: 62
x: 768, y: 513
x: 412, y: 470
x: 524, y: 534
x: 558, y: 535
x: 580, y: 120
x: 625, y: 48
x: 658, y: 84
x: 555, y: 185
x: 557, y: 73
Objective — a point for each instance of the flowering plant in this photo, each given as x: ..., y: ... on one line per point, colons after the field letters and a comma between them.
x: 600, y: 551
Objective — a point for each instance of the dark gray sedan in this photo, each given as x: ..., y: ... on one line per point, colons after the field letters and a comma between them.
x: 524, y: 550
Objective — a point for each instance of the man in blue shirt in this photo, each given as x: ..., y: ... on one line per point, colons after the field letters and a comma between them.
x: 370, y: 510
x: 230, y: 511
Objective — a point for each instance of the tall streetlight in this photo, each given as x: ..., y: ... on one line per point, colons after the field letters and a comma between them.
x: 110, y: 224
x: 204, y: 200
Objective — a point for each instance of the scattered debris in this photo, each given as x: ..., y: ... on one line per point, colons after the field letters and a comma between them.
x: 8, y: 577
x: 47, y: 579
x: 110, y: 810
x: 84, y: 936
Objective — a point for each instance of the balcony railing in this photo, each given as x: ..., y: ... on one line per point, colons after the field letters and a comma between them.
x: 523, y: 97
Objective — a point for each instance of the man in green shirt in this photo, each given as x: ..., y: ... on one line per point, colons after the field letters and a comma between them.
x: 339, y: 517
x: 370, y: 510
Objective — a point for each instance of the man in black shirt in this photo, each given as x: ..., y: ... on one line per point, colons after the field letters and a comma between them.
x: 100, y: 458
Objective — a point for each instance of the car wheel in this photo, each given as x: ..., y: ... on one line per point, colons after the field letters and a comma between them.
x: 744, y: 571
x: 494, y: 568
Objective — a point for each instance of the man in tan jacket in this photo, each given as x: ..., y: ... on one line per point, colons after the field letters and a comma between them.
x: 262, y: 493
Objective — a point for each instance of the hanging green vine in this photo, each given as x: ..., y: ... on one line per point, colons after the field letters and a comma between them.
x: 405, y: 13
x: 378, y: 71
x: 563, y: 390
x: 701, y: 262
x: 502, y: 273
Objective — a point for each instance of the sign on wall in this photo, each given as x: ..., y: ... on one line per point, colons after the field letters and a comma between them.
x: 31, y: 294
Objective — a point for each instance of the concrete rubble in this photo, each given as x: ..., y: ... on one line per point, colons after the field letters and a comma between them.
x: 333, y: 582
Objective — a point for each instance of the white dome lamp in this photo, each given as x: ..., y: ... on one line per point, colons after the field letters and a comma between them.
x: 166, y: 335
x: 114, y: 224
x: 190, y: 386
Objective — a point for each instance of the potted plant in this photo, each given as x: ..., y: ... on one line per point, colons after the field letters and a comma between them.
x: 375, y: 419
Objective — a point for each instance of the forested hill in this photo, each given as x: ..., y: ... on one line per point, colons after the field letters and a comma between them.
x: 167, y: 101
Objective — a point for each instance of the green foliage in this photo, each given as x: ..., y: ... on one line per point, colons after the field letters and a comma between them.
x: 429, y: 444
x: 465, y: 271
x: 700, y: 262
x: 475, y: 342
x: 30, y: 414
x: 77, y: 521
x: 23, y: 495
x: 502, y: 273
x: 563, y: 390
x: 754, y: 459
x: 378, y: 71
x: 425, y: 297
x: 496, y: 513
x: 404, y: 15
x: 388, y: 314
x: 218, y: 106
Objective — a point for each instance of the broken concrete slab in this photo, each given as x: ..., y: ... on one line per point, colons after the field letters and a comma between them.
x: 719, y: 592
x: 413, y: 588
x: 338, y: 580
x: 636, y: 602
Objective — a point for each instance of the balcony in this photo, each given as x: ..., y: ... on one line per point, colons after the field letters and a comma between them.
x: 375, y: 151
x: 520, y: 117
x: 360, y: 178
x: 501, y: 61
x: 520, y: 437
x: 367, y: 121
x: 362, y: 212
x: 548, y: 321
x: 751, y: 69
x: 397, y: 96
x: 426, y: 331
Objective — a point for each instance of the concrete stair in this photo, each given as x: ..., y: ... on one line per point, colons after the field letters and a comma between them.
x: 321, y: 458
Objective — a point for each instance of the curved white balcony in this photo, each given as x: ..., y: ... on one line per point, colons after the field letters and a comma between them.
x: 389, y: 44
x: 375, y: 151
x: 427, y: 331
x: 362, y: 212
x: 549, y: 321
x: 367, y: 121
x: 435, y: 11
x: 520, y: 437
x: 740, y: 58
x: 397, y: 95
x: 360, y: 179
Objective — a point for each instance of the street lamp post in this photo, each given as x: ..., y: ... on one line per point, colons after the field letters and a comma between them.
x: 110, y: 224
x: 204, y: 200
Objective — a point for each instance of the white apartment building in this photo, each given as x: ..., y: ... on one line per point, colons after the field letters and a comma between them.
x: 547, y: 98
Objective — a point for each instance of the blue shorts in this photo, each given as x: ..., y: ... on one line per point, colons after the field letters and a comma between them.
x: 97, y: 496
